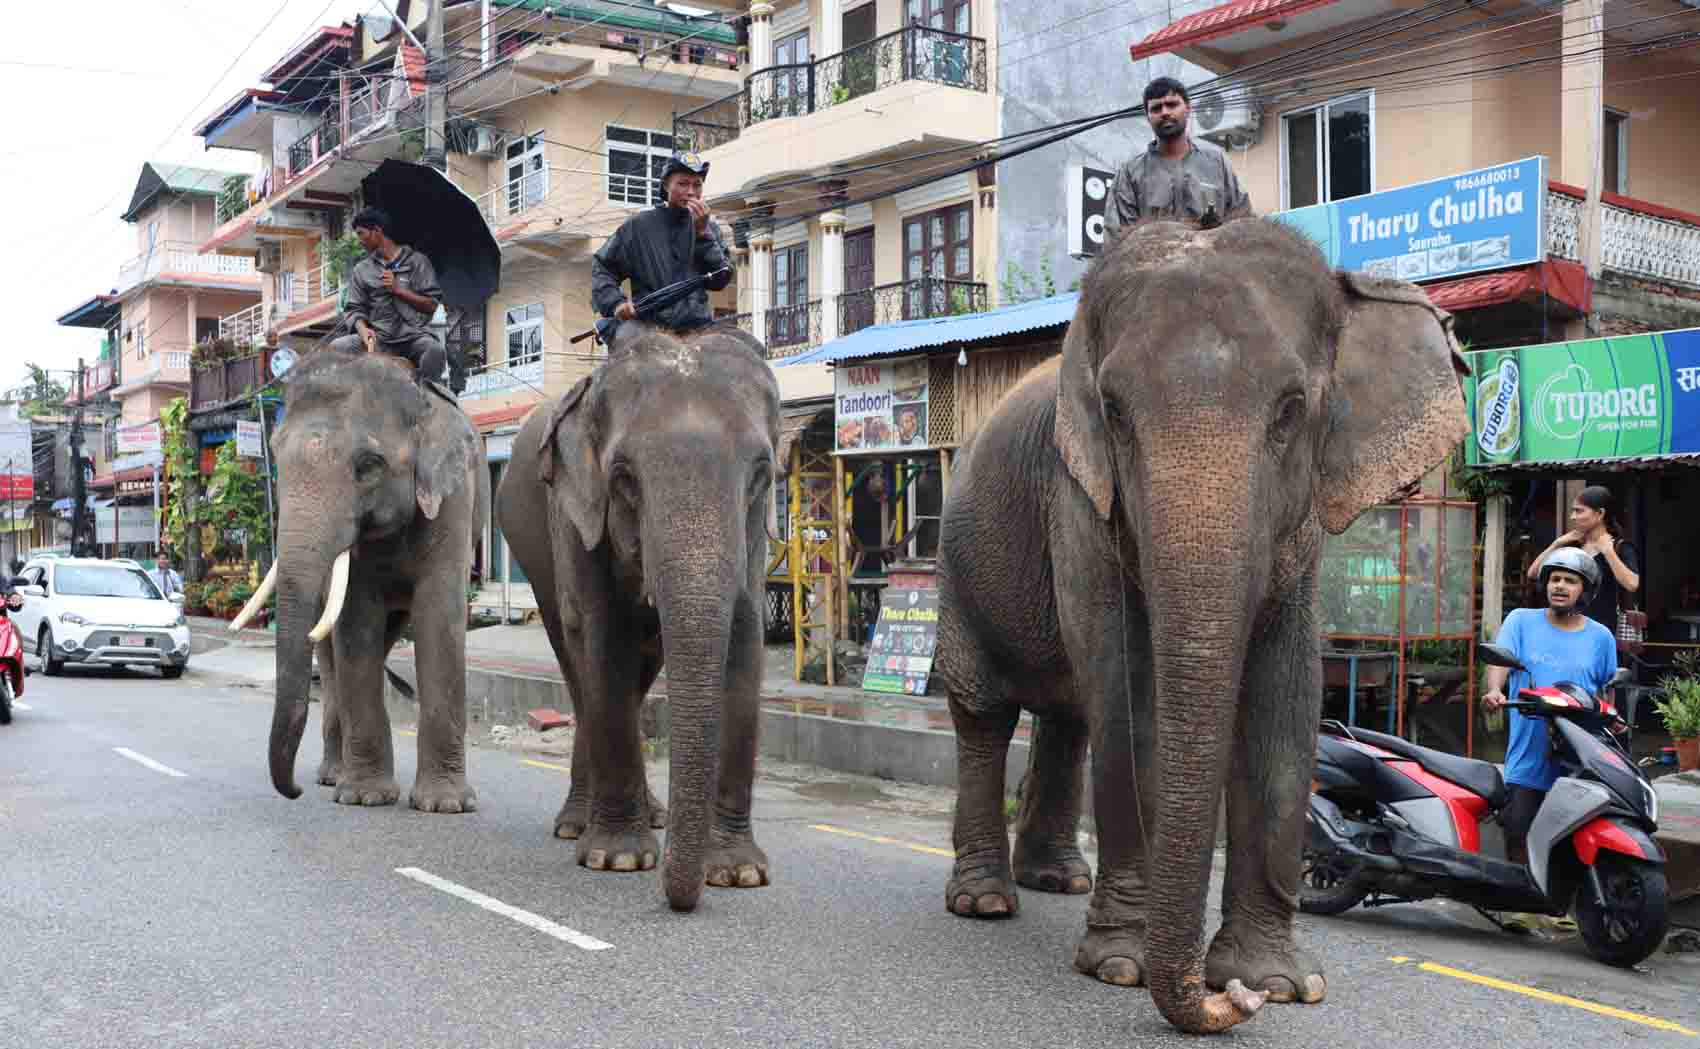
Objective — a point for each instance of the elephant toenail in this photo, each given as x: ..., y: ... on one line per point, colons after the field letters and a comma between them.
x: 648, y: 861
x: 749, y: 877
x: 625, y: 861
x: 989, y: 905
x: 1279, y: 989
x: 597, y: 860
x: 963, y: 905
x: 1316, y: 988
x: 720, y: 878
x: 1079, y: 884
x: 1123, y: 972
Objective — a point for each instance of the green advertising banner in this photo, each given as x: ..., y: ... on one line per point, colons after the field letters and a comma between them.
x: 1615, y: 398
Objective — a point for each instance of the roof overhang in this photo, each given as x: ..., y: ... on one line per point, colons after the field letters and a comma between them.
x: 970, y: 331
x: 1555, y: 279
x: 1572, y: 467
x: 98, y: 312
x: 245, y: 125
x: 1223, y: 37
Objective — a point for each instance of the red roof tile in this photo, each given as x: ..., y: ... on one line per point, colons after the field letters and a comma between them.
x: 413, y: 63
x: 1560, y: 279
x: 1220, y: 21
x: 498, y: 416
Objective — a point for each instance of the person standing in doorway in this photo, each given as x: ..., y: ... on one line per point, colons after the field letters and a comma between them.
x: 1597, y: 529
x: 1177, y: 177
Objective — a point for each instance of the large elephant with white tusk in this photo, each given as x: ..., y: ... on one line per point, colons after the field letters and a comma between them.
x: 380, y: 488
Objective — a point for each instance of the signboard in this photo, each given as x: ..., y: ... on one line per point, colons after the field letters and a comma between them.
x: 17, y: 461
x: 125, y: 524
x: 1594, y: 399
x: 900, y: 657
x: 881, y: 405
x: 1087, y: 191
x: 142, y: 438
x: 1487, y: 219
x: 248, y: 439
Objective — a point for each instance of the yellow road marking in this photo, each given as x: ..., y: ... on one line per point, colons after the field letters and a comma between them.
x: 928, y: 849
x: 1548, y: 996
x: 408, y: 732
x: 543, y: 765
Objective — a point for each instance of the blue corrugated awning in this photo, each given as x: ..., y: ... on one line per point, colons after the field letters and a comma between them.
x: 902, y: 336
x: 65, y: 503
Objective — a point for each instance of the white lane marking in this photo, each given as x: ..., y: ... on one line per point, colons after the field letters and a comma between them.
x: 538, y: 922
x: 18, y: 704
x: 142, y: 759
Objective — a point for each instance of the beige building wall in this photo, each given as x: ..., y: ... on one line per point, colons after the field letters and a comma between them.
x: 1660, y: 95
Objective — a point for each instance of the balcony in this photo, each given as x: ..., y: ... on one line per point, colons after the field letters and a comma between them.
x: 1637, y: 238
x: 299, y: 292
x: 787, y: 330
x: 161, y: 367
x: 97, y: 379
x: 181, y: 263
x: 907, y: 301
x: 217, y: 383
x: 247, y: 327
x: 530, y: 212
x: 364, y: 110
x: 763, y: 129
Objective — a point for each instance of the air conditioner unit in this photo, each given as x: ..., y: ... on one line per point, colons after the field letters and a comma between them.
x: 1227, y: 123
x: 485, y: 141
x: 270, y: 257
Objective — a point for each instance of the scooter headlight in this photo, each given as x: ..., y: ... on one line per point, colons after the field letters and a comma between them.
x: 1652, y: 801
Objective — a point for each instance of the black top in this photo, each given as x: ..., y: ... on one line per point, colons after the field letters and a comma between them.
x: 1603, y: 608
x: 653, y: 249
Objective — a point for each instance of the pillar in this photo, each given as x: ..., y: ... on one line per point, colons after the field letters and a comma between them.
x: 831, y: 272
x: 1581, y: 125
x: 830, y: 39
x: 1493, y: 567
x: 761, y: 281
x: 188, y: 323
x: 761, y: 36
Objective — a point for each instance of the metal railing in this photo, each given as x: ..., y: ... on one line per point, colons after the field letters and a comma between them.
x: 496, y: 380
x: 365, y: 108
x: 908, y: 300
x: 787, y: 330
x: 97, y: 379
x: 1635, y: 242
x: 515, y: 196
x: 913, y: 53
x: 160, y: 366
x: 180, y: 257
x: 218, y: 382
x: 245, y: 327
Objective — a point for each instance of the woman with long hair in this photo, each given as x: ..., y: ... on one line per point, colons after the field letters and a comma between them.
x: 1596, y: 527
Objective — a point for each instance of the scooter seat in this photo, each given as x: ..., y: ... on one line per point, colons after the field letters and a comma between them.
x: 1478, y: 777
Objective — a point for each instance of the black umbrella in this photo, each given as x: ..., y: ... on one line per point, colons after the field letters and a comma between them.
x: 658, y: 299
x: 436, y: 218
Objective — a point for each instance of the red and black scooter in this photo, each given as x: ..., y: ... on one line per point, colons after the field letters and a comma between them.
x: 1392, y: 822
x: 11, y: 656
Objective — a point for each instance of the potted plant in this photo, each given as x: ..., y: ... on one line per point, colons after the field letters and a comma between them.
x: 1678, y: 704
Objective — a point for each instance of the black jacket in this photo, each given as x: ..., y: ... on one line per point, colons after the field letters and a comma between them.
x: 653, y: 249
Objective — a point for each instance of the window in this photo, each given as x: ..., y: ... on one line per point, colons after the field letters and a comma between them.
x: 636, y: 159
x: 141, y: 341
x: 1614, y: 144
x: 527, y: 173
x: 206, y: 329
x: 1328, y: 152
x: 938, y: 247
x: 951, y: 15
x: 788, y: 323
x: 525, y: 335
x: 792, y: 83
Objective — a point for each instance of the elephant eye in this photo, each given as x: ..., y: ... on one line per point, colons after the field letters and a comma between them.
x: 761, y: 479
x: 367, y: 464
x: 1112, y: 410
x: 1287, y: 417
x: 625, y: 484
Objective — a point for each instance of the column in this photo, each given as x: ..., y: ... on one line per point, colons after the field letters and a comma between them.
x: 831, y: 272
x: 761, y: 281
x: 761, y: 36
x: 1581, y: 123
x: 830, y: 39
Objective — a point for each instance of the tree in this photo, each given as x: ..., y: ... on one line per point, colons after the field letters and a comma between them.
x: 41, y: 394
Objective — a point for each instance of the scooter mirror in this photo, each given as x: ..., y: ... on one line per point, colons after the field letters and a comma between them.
x: 1497, y: 656
x: 1623, y: 676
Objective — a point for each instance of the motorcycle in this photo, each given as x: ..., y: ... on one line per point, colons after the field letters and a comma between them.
x: 1393, y: 822
x: 11, y: 657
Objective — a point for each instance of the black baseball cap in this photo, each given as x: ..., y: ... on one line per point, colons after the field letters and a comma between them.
x: 685, y: 163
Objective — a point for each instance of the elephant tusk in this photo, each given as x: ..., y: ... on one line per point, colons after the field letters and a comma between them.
x: 333, y: 600
x: 257, y: 601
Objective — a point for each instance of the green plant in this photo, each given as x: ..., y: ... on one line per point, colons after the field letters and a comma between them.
x: 339, y: 256
x: 412, y: 143
x: 232, y: 197
x: 181, y: 512
x: 238, y: 501
x: 840, y: 95
x: 1678, y: 698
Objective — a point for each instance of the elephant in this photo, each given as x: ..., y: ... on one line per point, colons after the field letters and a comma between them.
x: 1129, y: 551
x: 637, y: 505
x: 381, y: 488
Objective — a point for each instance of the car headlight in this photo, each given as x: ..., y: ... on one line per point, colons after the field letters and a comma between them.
x: 72, y: 618
x: 182, y: 620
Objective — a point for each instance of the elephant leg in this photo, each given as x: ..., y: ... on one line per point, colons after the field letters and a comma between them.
x: 330, y: 715
x: 368, y: 753
x: 1274, y: 753
x: 439, y: 616
x: 980, y: 884
x: 575, y: 810
x: 618, y: 836
x: 1047, y: 845
x: 734, y: 858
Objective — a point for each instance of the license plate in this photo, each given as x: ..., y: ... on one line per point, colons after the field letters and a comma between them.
x: 133, y: 641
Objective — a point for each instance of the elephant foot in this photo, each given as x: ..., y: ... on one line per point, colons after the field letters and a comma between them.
x: 329, y: 771
x: 740, y: 865
x: 448, y: 794
x: 1113, y: 954
x: 366, y: 790
x: 978, y: 891
x: 572, y: 819
x: 607, y: 849
x: 1052, y: 868
x: 1282, y: 969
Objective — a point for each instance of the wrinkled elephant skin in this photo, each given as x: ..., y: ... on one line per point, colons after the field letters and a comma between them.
x: 387, y: 478
x: 637, y: 506
x: 1130, y: 550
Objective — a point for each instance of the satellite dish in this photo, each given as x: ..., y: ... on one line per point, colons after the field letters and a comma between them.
x: 379, y: 23
x: 283, y: 359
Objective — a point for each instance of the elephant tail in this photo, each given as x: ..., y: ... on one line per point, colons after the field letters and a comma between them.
x: 401, y: 684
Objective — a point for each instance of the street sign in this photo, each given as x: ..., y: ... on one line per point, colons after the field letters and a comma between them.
x: 142, y: 438
x: 17, y: 461
x: 1087, y: 190
x: 125, y: 524
x: 248, y: 439
x: 900, y: 657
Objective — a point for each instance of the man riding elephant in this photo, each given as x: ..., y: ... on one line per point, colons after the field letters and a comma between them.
x: 392, y: 296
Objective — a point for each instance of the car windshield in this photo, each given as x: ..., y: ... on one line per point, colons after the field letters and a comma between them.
x: 104, y: 581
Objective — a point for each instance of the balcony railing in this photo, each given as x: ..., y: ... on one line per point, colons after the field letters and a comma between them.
x: 367, y: 107
x: 908, y: 300
x: 97, y: 379
x: 913, y: 53
x: 167, y: 367
x: 1647, y: 242
x: 787, y: 330
x: 497, y: 380
x: 302, y: 291
x: 179, y: 257
x: 247, y: 327
x: 217, y: 383
x: 512, y: 198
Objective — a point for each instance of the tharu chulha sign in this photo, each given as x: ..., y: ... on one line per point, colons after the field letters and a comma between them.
x: 1617, y: 398
x: 900, y: 657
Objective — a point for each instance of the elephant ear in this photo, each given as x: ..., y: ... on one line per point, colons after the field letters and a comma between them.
x: 568, y: 446
x: 1396, y: 407
x: 1080, y: 435
x: 447, y: 455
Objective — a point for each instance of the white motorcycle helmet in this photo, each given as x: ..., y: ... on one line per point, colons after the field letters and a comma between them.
x: 1573, y: 559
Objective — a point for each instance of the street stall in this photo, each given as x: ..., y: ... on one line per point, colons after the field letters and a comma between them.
x: 865, y: 506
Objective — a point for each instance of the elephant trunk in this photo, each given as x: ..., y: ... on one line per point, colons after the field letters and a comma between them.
x: 312, y: 557
x: 1204, y: 576
x: 694, y: 598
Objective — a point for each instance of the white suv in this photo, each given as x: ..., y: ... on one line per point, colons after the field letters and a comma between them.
x: 106, y: 613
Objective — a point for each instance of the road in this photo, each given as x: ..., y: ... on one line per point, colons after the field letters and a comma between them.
x: 155, y: 891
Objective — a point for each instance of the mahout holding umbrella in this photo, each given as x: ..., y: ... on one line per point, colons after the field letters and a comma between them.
x: 392, y: 296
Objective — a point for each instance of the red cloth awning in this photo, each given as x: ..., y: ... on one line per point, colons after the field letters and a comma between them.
x: 1559, y: 279
x: 1220, y: 21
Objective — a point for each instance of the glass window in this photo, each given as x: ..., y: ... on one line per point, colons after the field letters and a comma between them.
x: 1614, y: 156
x: 635, y: 160
x: 527, y: 173
x: 524, y: 329
x: 1329, y: 152
x: 104, y: 581
x: 938, y: 248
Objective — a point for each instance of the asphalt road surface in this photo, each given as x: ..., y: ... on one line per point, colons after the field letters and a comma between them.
x: 155, y: 891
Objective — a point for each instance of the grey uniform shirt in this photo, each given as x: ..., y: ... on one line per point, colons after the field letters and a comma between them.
x: 394, y: 320
x: 1152, y: 186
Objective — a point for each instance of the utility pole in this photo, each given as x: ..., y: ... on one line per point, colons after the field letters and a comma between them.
x: 436, y: 95
x: 78, y: 498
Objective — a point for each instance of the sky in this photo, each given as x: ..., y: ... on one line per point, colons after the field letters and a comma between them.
x: 89, y: 99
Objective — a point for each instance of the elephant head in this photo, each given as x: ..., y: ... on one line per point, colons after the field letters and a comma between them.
x: 364, y: 455
x: 662, y: 460
x: 1224, y: 398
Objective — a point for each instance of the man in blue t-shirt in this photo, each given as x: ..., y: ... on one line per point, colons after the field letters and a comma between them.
x: 1558, y: 643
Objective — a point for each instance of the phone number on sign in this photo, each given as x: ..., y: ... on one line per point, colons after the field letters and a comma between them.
x: 1487, y: 178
